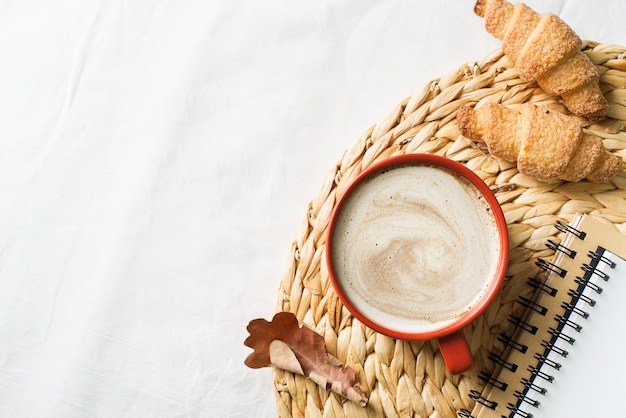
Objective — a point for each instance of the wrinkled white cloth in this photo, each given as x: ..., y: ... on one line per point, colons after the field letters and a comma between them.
x: 156, y: 161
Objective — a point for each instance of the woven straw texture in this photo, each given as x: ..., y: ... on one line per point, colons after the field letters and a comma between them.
x: 408, y: 379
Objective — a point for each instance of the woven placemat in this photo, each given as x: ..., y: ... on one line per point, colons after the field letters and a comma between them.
x: 408, y: 379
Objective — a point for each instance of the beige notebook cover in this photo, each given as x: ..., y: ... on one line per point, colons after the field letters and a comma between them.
x: 569, y: 345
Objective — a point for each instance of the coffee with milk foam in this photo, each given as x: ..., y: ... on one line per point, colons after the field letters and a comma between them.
x: 415, y: 247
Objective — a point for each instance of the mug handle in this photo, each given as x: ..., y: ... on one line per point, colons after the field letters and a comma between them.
x: 456, y: 352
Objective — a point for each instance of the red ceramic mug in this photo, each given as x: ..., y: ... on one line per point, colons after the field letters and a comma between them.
x: 416, y: 249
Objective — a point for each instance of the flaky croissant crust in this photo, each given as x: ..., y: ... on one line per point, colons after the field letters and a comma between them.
x: 546, y: 145
x: 546, y: 50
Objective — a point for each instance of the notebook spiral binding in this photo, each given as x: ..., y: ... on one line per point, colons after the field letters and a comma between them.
x: 477, y: 396
x: 567, y: 228
x: 569, y: 318
x: 464, y: 413
x: 601, y: 258
x: 490, y: 380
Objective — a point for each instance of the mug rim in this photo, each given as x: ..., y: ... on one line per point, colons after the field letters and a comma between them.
x: 499, y: 273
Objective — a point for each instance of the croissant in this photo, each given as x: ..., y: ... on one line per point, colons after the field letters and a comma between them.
x: 546, y: 145
x: 546, y: 50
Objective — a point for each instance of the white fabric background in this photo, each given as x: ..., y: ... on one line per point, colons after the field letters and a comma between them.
x: 156, y: 160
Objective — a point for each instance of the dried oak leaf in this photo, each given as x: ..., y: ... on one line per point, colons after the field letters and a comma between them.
x: 284, y: 344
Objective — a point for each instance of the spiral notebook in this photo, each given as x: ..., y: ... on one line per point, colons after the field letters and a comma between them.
x: 567, y: 348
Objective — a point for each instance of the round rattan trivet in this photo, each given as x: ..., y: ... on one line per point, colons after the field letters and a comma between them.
x: 408, y: 379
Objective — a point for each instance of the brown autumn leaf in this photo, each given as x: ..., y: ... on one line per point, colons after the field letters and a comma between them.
x: 284, y: 344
